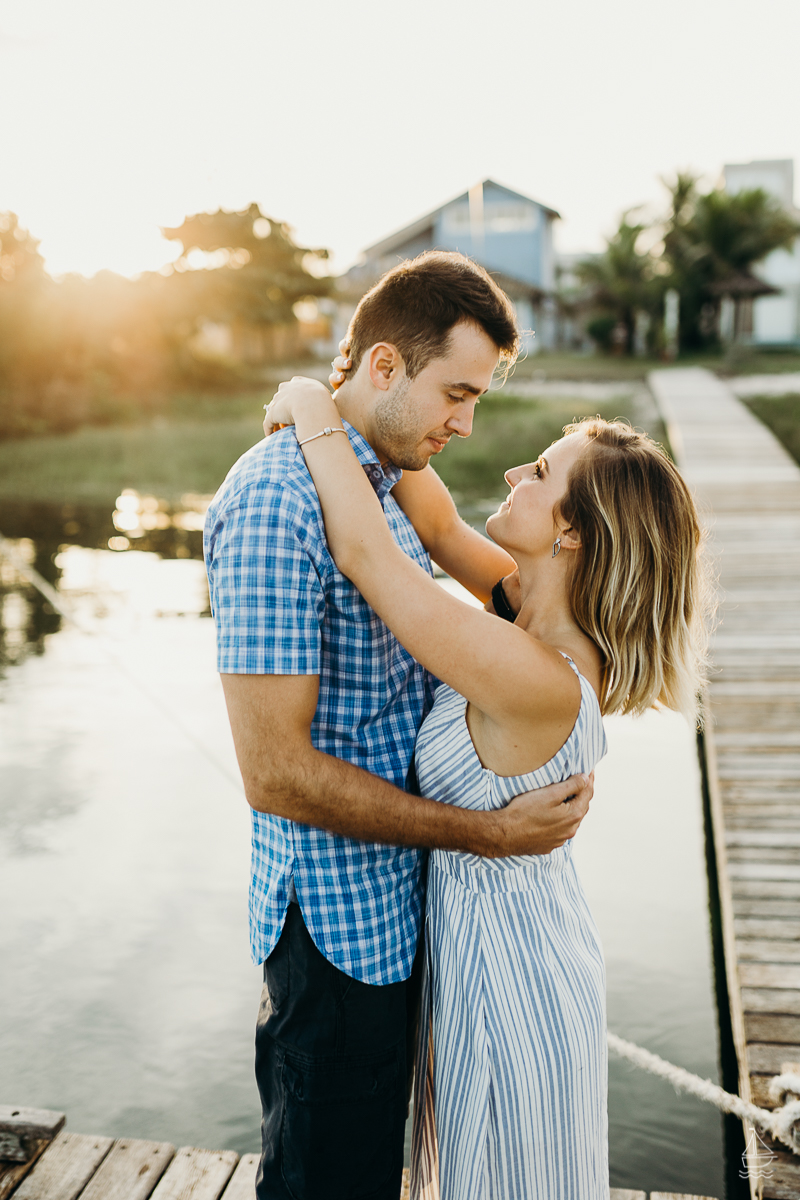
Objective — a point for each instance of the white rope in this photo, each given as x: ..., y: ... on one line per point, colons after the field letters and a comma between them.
x: 781, y: 1124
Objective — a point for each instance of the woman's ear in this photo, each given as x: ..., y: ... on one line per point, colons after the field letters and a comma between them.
x: 570, y: 539
x: 384, y: 365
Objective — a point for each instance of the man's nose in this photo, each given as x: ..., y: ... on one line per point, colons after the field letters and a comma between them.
x: 460, y: 422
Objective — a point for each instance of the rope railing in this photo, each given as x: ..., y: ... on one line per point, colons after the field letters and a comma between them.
x: 782, y: 1123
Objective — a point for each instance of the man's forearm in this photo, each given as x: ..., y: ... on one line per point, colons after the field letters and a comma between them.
x: 317, y: 789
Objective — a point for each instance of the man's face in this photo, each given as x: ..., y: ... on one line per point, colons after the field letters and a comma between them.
x: 416, y: 418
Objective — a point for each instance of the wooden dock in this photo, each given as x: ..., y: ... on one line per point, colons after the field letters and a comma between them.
x: 748, y: 488
x: 65, y: 1166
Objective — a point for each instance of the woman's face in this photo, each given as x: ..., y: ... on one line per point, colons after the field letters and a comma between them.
x: 524, y: 523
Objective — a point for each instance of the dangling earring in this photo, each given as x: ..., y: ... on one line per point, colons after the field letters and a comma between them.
x: 556, y: 546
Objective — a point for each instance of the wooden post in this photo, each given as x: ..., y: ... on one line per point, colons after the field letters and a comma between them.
x: 20, y: 1128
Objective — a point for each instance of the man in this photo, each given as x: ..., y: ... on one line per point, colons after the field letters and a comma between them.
x: 325, y: 706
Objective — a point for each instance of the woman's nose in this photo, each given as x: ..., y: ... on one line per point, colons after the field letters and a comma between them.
x: 512, y: 476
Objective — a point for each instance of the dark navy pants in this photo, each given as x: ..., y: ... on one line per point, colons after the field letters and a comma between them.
x: 334, y: 1058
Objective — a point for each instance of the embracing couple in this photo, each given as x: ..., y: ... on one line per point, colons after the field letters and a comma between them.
x: 376, y: 718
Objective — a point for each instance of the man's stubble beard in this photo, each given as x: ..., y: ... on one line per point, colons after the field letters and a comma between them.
x: 397, y: 432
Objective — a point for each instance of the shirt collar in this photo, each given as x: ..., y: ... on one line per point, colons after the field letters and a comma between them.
x: 382, y: 479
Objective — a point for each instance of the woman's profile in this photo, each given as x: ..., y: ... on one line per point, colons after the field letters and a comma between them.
x: 511, y: 1067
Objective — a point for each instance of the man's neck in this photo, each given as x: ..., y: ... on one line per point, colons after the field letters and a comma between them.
x: 355, y: 408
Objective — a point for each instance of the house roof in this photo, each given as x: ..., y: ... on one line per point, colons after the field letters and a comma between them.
x: 742, y: 283
x: 424, y: 223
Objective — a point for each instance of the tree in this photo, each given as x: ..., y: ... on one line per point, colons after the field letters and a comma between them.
x: 711, y: 236
x: 621, y: 282
x: 260, y: 272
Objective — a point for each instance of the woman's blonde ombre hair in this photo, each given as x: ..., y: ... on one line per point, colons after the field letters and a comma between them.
x: 639, y: 586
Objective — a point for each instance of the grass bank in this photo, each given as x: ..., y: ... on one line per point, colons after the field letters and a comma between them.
x: 740, y: 360
x: 781, y: 414
x: 189, y: 451
x: 192, y: 451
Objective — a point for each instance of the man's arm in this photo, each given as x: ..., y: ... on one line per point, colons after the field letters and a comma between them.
x: 284, y: 774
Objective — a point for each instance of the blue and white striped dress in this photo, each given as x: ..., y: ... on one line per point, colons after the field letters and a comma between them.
x: 511, y: 1089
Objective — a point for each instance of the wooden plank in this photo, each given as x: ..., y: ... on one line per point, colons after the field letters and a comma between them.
x: 788, y: 859
x: 627, y: 1194
x: 765, y: 975
x: 782, y: 1183
x: 771, y: 1000
x: 779, y: 837
x: 196, y: 1174
x: 12, y: 1175
x: 130, y: 1171
x: 766, y: 1059
x: 675, y: 1196
x: 771, y: 1027
x: 772, y: 951
x: 766, y: 889
x: 21, y: 1130
x: 65, y: 1167
x: 31, y: 1122
x: 759, y: 1091
x: 765, y: 872
x: 243, y: 1181
x: 746, y: 908
x: 771, y: 928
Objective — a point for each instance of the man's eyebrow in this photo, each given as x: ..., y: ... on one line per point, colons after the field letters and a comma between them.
x: 466, y: 387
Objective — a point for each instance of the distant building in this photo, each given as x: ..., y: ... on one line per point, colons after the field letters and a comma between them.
x: 508, y: 233
x: 776, y: 319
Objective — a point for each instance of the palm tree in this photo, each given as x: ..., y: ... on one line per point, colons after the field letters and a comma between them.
x: 621, y: 281
x: 710, y: 238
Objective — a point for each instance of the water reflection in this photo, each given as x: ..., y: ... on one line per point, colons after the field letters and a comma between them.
x: 43, y: 537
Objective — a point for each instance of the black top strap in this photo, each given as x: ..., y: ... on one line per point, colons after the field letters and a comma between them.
x: 501, y: 605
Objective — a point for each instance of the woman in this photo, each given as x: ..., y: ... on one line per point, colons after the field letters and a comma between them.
x: 511, y: 1082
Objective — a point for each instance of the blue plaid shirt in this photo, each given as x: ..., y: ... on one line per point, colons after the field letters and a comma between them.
x: 282, y: 608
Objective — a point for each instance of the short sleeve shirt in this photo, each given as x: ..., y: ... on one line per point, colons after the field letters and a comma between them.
x: 282, y: 608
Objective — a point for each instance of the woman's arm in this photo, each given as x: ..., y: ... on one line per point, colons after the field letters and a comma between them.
x: 454, y: 545
x: 497, y: 666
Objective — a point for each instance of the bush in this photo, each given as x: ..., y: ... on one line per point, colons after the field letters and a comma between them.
x: 601, y: 331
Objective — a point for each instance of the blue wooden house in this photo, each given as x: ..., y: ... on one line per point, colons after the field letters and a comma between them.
x: 508, y: 233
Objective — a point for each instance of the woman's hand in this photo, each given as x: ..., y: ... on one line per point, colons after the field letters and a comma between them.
x: 282, y: 409
x: 340, y: 364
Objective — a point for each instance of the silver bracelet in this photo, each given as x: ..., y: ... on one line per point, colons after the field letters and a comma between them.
x: 327, y: 431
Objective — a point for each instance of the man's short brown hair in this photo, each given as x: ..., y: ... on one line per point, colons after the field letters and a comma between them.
x: 416, y: 304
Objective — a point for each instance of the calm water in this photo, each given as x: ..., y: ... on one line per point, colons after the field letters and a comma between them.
x: 127, y: 993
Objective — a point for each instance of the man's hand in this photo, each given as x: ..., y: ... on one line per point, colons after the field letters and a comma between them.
x: 284, y: 774
x: 538, y: 822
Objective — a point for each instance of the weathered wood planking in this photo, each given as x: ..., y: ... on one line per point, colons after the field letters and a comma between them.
x: 242, y: 1185
x: 65, y: 1168
x: 748, y: 489
x: 131, y: 1169
x: 196, y: 1175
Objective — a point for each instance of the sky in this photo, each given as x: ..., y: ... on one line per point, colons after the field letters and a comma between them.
x: 350, y: 120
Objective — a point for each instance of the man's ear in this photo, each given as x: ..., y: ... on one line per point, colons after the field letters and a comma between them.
x: 384, y: 365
